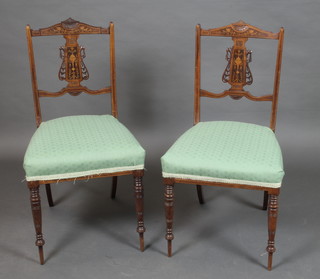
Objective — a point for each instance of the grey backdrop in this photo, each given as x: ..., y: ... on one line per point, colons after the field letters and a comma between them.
x: 90, y: 236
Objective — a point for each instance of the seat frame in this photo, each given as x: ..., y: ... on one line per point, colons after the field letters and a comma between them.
x: 240, y: 32
x: 71, y: 29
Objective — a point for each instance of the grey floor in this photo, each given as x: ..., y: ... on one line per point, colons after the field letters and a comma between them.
x: 90, y: 236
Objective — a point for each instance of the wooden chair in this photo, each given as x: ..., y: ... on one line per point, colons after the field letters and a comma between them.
x: 225, y: 153
x: 79, y: 147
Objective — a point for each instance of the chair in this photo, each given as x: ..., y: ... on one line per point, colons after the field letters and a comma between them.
x: 79, y: 147
x: 226, y: 153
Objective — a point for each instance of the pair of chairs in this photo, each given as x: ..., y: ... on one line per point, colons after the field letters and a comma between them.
x: 217, y: 153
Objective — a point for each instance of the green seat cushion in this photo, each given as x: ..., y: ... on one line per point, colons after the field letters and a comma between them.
x: 226, y: 152
x: 75, y: 146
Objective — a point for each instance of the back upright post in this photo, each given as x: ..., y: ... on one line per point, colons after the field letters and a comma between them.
x: 277, y: 81
x: 114, y: 106
x: 197, y: 79
x: 33, y: 77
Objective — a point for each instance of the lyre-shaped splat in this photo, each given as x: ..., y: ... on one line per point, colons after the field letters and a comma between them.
x: 237, y: 72
x: 72, y: 68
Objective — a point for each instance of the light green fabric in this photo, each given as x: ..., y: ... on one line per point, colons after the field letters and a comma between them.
x: 225, y: 151
x: 76, y: 146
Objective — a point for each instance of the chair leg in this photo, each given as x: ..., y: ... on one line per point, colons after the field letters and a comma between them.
x: 272, y: 225
x: 36, y: 213
x: 200, y: 195
x: 49, y: 195
x: 169, y: 198
x: 138, y: 192
x: 265, y: 200
x: 114, y: 187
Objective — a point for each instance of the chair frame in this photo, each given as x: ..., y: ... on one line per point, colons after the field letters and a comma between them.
x: 240, y: 32
x: 71, y: 29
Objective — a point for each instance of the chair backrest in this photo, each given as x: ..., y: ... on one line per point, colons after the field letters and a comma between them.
x: 237, y: 72
x: 72, y: 70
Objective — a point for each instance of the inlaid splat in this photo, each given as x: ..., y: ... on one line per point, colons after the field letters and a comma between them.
x: 73, y: 69
x: 237, y: 72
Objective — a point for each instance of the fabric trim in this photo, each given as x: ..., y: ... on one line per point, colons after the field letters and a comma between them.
x: 82, y: 173
x: 222, y: 180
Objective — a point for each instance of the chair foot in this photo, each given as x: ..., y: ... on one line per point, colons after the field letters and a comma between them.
x: 49, y: 195
x: 270, y: 261
x: 41, y: 257
x: 114, y: 187
x: 200, y: 194
x: 265, y: 200
x: 169, y: 248
x: 141, y: 242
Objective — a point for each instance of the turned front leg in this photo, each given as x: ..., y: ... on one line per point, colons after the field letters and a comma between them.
x: 36, y: 213
x: 169, y: 198
x: 138, y: 192
x: 272, y: 226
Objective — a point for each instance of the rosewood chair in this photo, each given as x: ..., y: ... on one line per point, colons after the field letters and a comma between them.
x: 226, y: 153
x: 79, y: 147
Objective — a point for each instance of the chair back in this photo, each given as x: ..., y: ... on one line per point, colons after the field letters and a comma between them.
x: 73, y: 69
x: 237, y: 72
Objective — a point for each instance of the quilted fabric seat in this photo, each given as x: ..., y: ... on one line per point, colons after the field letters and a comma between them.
x: 226, y: 151
x: 83, y: 145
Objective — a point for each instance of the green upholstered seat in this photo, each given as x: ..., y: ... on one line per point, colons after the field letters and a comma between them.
x: 227, y: 152
x: 83, y: 145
